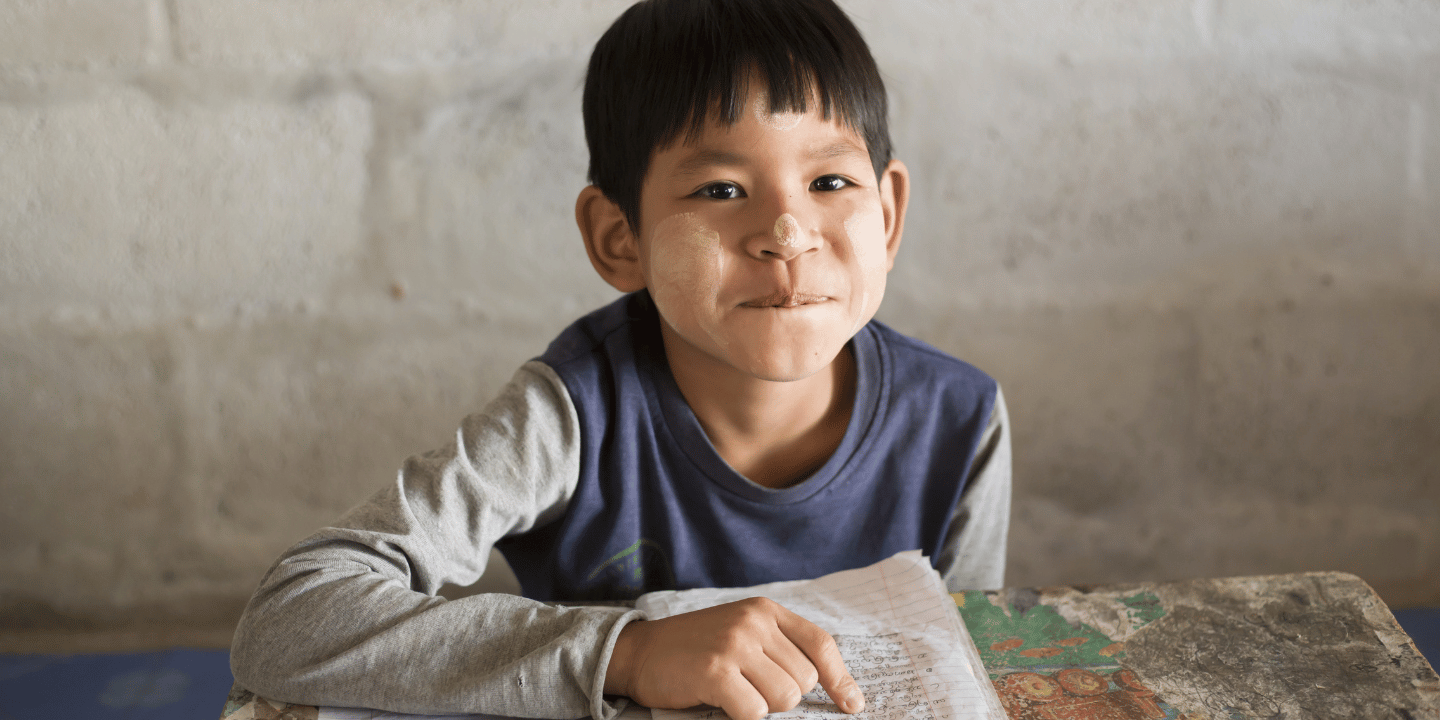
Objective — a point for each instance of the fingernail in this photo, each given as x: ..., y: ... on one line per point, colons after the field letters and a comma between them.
x: 854, y: 702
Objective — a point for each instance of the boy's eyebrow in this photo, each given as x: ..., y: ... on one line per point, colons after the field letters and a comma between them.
x: 836, y: 149
x: 702, y: 160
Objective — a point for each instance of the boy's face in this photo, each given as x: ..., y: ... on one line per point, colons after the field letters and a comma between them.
x: 765, y: 244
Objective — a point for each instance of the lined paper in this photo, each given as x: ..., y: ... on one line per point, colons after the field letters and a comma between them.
x: 896, y: 627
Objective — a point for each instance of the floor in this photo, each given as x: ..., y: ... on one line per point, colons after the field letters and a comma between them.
x: 163, y: 685
x: 191, y: 684
x: 1423, y: 626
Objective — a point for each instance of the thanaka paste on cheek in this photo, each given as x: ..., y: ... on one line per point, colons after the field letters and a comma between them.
x: 687, y: 264
x: 865, y: 230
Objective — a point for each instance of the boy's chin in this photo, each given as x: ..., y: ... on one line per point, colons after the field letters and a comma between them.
x: 758, y: 348
x: 784, y: 366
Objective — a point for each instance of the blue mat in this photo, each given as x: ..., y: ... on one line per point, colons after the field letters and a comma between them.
x: 1423, y: 626
x: 166, y: 685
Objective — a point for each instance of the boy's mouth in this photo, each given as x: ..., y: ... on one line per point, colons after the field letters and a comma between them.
x: 784, y: 299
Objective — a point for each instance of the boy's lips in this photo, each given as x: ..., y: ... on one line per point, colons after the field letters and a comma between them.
x: 785, y: 299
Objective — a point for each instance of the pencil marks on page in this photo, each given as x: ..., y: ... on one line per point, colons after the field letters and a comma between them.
x: 896, y: 684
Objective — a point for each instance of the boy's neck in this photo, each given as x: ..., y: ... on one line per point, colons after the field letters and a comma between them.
x: 773, y: 433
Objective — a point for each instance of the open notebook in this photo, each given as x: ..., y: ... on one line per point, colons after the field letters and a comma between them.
x: 897, y: 629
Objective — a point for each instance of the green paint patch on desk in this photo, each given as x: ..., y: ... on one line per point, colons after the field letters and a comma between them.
x: 1045, y: 665
x: 1013, y: 637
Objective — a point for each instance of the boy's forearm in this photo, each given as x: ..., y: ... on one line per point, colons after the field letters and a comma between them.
x: 350, y: 616
x: 332, y: 633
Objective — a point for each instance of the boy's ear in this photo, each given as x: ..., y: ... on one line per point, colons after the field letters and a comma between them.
x: 609, y: 241
x: 894, y: 197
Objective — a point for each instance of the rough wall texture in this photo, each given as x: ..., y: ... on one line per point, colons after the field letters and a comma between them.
x: 253, y: 254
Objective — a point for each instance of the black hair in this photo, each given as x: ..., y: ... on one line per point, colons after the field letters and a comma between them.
x: 670, y: 66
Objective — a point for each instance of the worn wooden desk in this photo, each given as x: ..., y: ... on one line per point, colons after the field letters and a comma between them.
x: 1311, y: 645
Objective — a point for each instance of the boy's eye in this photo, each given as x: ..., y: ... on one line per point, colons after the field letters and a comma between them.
x: 829, y: 183
x: 720, y: 191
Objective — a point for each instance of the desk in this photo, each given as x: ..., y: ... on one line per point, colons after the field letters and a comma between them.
x: 1309, y: 645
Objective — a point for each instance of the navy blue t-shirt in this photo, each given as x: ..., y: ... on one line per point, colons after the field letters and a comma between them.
x: 657, y: 508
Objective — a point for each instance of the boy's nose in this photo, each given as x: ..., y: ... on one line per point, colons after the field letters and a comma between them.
x: 786, y: 239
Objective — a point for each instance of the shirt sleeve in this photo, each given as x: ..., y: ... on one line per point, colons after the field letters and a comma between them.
x: 350, y: 616
x: 973, y: 556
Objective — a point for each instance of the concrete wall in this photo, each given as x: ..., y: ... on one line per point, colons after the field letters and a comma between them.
x: 253, y: 254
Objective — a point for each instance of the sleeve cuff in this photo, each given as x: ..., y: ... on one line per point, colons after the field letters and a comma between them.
x: 600, y: 709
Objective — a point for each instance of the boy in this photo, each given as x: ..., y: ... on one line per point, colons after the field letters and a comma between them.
x: 735, y: 419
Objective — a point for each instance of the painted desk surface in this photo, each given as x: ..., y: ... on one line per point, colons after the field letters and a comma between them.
x: 1310, y: 645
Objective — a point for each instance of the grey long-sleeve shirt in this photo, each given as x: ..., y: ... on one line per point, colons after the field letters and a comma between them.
x: 350, y: 616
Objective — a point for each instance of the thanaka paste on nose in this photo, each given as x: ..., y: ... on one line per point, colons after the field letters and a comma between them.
x: 787, y: 230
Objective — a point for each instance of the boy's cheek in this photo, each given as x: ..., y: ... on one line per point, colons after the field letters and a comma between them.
x: 865, y: 231
x: 684, y: 255
x: 686, y: 272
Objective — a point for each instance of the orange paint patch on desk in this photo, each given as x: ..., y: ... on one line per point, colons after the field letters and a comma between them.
x: 1007, y: 645
x: 1041, y: 652
x: 1077, y: 694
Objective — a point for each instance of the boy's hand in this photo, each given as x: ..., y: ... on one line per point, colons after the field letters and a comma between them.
x: 748, y: 658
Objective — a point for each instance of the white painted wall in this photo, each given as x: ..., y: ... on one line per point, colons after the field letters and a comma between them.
x: 253, y: 254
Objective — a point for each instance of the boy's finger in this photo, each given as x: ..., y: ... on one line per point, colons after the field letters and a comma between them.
x: 845, y: 692
x: 795, y: 663
x: 774, y: 684
x: 820, y: 648
x: 739, y: 699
